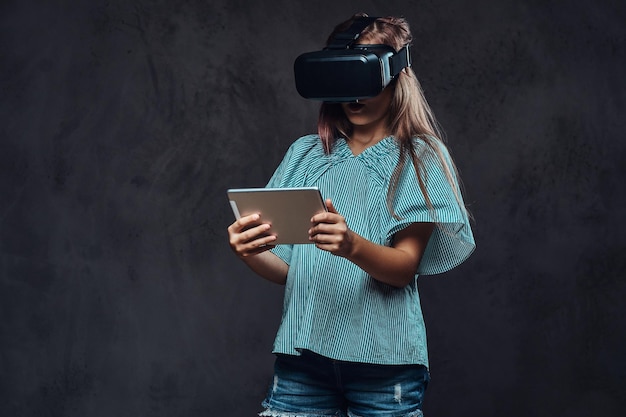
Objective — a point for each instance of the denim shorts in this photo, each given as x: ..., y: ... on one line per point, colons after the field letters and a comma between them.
x: 315, y: 386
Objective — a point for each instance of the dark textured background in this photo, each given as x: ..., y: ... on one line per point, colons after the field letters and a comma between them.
x: 122, y: 123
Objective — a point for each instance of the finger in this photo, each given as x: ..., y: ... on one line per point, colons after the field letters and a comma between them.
x: 316, y: 230
x: 329, y: 247
x: 252, y: 247
x: 240, y: 238
x: 254, y: 233
x: 257, y: 246
x: 324, y: 235
x: 322, y: 229
x: 249, y: 220
x: 243, y: 222
x: 258, y: 250
x: 334, y: 225
x: 331, y: 208
x: 326, y: 217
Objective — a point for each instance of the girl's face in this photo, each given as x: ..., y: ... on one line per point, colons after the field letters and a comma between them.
x: 370, y: 114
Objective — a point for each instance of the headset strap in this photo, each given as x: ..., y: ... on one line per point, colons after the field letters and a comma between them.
x: 343, y: 40
x: 400, y: 60
x: 346, y: 38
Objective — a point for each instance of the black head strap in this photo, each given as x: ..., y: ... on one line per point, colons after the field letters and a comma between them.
x: 346, y: 38
x: 343, y: 40
x: 400, y: 60
x: 397, y: 62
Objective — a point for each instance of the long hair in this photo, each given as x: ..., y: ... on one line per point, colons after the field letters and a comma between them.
x: 409, y: 114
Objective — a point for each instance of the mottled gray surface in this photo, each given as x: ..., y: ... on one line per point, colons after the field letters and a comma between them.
x: 123, y: 122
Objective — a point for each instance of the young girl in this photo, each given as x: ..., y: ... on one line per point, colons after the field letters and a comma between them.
x: 352, y: 339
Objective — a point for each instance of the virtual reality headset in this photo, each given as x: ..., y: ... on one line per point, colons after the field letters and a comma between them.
x: 345, y: 72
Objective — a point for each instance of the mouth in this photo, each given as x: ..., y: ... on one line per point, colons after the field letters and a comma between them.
x: 355, y: 107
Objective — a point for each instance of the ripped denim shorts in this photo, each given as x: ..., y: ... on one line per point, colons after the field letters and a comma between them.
x: 315, y: 386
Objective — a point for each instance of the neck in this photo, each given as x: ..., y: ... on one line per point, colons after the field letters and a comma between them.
x: 362, y: 139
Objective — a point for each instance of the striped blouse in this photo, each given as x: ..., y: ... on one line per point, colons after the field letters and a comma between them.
x: 333, y: 307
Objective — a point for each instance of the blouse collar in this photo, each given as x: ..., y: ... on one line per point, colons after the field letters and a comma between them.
x: 381, y: 149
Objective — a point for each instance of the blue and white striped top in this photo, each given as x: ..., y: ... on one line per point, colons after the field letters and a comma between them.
x: 333, y: 307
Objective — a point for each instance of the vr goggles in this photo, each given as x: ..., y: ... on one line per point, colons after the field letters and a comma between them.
x: 345, y: 72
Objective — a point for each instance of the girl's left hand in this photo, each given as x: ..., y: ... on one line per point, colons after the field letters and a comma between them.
x: 330, y: 232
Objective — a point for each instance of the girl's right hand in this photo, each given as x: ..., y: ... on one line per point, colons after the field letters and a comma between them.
x: 248, y: 236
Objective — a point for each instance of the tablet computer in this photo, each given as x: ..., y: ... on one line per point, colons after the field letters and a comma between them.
x: 288, y: 210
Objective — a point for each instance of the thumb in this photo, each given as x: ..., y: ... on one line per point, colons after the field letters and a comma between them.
x: 331, y: 208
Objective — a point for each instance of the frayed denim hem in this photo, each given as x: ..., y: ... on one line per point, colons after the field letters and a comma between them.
x: 275, y: 413
x: 417, y: 413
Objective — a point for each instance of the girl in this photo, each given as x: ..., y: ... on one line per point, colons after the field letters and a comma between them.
x: 352, y: 339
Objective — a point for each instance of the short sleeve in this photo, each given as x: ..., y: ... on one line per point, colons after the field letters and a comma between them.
x: 452, y: 241
x: 302, y: 157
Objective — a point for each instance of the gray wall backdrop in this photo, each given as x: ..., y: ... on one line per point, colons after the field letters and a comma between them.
x: 123, y: 122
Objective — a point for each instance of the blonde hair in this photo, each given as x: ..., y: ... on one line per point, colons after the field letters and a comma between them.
x: 409, y: 115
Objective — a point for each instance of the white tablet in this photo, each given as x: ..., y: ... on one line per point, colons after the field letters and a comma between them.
x: 288, y: 210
